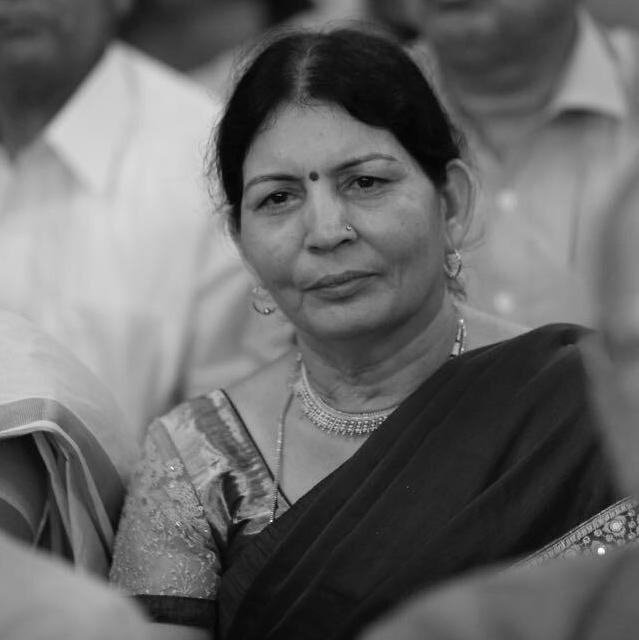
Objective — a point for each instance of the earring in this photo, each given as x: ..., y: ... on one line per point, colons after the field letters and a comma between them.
x: 453, y: 264
x: 261, y: 301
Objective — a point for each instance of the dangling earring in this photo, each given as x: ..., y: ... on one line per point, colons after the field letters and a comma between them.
x: 453, y: 264
x: 261, y: 301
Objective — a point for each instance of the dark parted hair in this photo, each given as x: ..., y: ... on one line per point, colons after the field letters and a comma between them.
x: 365, y: 73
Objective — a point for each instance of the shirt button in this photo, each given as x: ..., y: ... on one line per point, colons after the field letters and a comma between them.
x: 504, y: 303
x: 507, y: 200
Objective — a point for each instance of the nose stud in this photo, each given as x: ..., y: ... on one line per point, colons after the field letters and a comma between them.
x: 349, y: 227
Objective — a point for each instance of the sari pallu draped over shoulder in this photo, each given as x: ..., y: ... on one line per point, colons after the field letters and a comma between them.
x: 491, y: 458
x: 81, y: 445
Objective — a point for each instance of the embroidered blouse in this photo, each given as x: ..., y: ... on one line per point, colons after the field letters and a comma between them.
x: 201, y: 484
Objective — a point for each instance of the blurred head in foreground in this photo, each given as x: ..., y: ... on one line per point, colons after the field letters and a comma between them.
x: 613, y: 356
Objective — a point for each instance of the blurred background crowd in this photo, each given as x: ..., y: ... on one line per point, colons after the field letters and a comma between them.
x: 110, y: 244
x: 199, y: 37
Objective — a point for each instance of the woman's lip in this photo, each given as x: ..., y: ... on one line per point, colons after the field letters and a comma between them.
x: 453, y: 4
x: 337, y: 280
x: 340, y: 286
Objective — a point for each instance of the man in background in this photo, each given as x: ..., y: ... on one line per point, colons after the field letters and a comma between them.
x: 585, y: 598
x: 106, y: 236
x: 549, y: 100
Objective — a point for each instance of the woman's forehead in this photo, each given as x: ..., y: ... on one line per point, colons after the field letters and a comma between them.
x: 319, y: 133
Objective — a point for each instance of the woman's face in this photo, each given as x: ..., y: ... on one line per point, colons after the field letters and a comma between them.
x: 311, y: 172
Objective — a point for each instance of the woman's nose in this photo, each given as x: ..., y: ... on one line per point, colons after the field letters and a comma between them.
x: 327, y: 224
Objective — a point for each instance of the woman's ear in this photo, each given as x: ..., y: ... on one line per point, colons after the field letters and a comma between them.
x: 459, y: 201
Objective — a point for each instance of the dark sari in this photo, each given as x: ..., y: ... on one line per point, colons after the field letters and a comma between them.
x: 491, y: 458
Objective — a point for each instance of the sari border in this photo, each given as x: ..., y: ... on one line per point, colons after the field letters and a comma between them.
x: 180, y: 610
x: 559, y: 546
x: 221, y: 400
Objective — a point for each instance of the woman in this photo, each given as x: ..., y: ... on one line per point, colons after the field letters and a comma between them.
x: 377, y: 457
x: 65, y: 451
x: 595, y: 597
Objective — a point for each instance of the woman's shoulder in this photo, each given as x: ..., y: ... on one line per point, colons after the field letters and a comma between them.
x: 492, y: 335
x: 199, y: 429
x: 550, y: 342
x: 205, y: 412
x: 542, y: 362
x: 232, y: 420
x: 260, y: 399
x: 263, y: 380
x: 484, y: 329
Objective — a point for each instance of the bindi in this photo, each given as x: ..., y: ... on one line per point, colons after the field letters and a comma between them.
x: 314, y: 176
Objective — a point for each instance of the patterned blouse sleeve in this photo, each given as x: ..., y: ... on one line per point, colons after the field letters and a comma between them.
x: 165, y: 553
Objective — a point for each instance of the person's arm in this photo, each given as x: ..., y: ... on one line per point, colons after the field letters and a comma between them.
x: 165, y: 554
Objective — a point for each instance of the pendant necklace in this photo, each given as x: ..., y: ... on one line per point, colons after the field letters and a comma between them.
x: 345, y: 424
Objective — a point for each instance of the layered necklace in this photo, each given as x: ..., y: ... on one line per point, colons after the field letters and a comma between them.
x: 347, y: 424
x: 350, y: 424
x: 341, y: 423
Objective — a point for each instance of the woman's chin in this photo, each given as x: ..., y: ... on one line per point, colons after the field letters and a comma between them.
x: 347, y: 326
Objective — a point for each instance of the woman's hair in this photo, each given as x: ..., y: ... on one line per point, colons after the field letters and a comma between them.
x: 366, y: 74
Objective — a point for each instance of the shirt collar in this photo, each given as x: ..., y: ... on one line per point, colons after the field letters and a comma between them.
x: 90, y: 131
x: 592, y: 81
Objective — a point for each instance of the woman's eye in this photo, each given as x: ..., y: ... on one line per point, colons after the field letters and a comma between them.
x: 276, y: 199
x: 367, y: 183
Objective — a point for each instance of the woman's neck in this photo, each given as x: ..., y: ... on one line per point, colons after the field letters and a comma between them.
x: 380, y: 374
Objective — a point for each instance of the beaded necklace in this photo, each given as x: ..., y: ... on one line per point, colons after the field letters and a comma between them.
x: 334, y: 421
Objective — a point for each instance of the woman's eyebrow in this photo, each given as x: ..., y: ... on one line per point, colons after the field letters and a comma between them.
x: 365, y: 158
x: 269, y: 177
x: 352, y: 162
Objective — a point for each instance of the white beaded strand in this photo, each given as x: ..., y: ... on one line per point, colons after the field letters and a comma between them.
x: 279, y: 453
x: 330, y: 420
x: 334, y: 421
x: 352, y: 424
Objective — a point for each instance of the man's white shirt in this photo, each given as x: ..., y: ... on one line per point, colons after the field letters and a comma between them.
x: 110, y: 242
